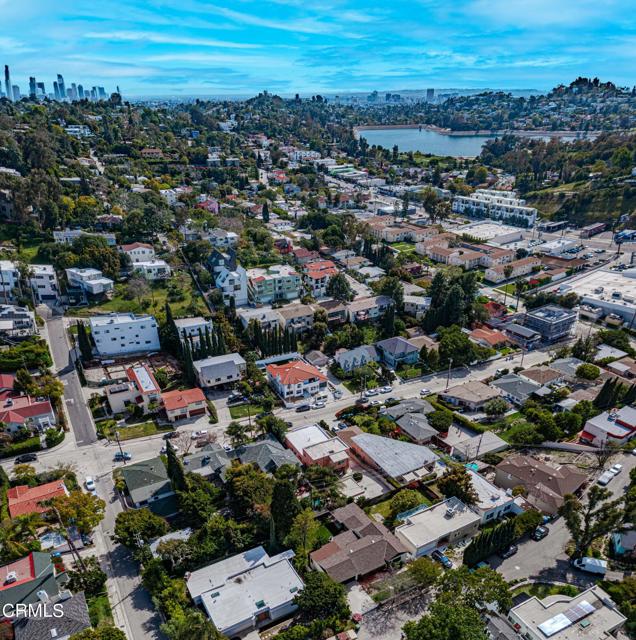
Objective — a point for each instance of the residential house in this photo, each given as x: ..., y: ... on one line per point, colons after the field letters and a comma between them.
x: 138, y: 252
x: 74, y: 618
x: 140, y: 390
x: 545, y: 484
x: 24, y: 580
x: 515, y: 389
x: 489, y: 338
x: 148, y: 485
x: 336, y: 311
x: 304, y: 256
x: 554, y: 323
x: 591, y: 614
x: 219, y: 370
x: 276, y: 283
x: 416, y: 427
x: 405, y: 407
x: 91, y: 282
x: 436, y: 527
x: 194, y: 328
x: 246, y: 591
x: 479, y: 445
x: 317, y: 275
x: 152, y: 270
x: 17, y: 322
x: 368, y: 309
x: 356, y: 357
x: 182, y: 405
x: 222, y: 239
x: 23, y: 411
x: 625, y: 367
x: 617, y: 426
x: 229, y: 277
x: 363, y: 547
x: 567, y: 367
x: 472, y: 395
x: 624, y: 542
x: 542, y: 375
x: 44, y: 284
x: 492, y: 502
x: 466, y: 258
x: 522, y: 267
x: 397, y: 351
x: 23, y: 499
x: 524, y: 337
x: 416, y: 306
x: 296, y: 317
x: 371, y: 274
x: 295, y: 381
x: 400, y: 461
x: 118, y: 334
x: 313, y: 446
x: 68, y: 236
x: 316, y: 358
x: 266, y: 318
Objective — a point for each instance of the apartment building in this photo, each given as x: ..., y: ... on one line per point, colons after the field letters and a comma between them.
x: 497, y: 273
x: 551, y: 321
x: 297, y: 317
x: 9, y: 280
x: 44, y: 284
x: 317, y: 275
x: 118, y: 334
x: 17, y: 322
x: 296, y: 381
x: 497, y: 205
x: 276, y: 283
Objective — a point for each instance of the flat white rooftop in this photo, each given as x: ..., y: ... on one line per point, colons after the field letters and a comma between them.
x: 306, y: 436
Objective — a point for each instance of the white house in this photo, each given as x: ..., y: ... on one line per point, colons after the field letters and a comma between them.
x: 498, y: 205
x: 43, y: 281
x: 68, y: 236
x: 118, y: 334
x: 229, y: 277
x: 9, y: 278
x: 219, y: 370
x: 90, y: 281
x: 140, y: 390
x: 221, y: 239
x: 296, y: 381
x: 416, y: 306
x: 246, y: 591
x: 153, y: 269
x: 138, y: 251
x: 17, y: 322
x: 192, y: 327
x: 492, y: 502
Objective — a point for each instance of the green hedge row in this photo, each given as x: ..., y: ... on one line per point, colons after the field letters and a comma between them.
x: 26, y: 446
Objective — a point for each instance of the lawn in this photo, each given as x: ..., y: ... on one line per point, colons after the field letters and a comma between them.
x: 130, y: 432
x: 404, y: 247
x: 243, y: 410
x: 507, y: 288
x: 410, y: 371
x: 511, y: 425
x: 99, y: 611
x: 543, y: 590
x: 384, y: 508
x: 187, y: 302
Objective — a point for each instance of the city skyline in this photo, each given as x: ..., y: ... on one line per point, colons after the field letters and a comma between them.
x: 286, y: 46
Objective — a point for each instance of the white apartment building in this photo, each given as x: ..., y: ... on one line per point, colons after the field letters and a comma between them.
x: 300, y: 155
x: 278, y: 282
x: 138, y: 251
x: 193, y: 327
x: 118, y: 334
x: 43, y: 281
x: 519, y: 268
x: 233, y: 284
x: 498, y: 205
x: 153, y: 269
x: 9, y: 279
x: 17, y: 322
x: 68, y: 236
x: 90, y: 281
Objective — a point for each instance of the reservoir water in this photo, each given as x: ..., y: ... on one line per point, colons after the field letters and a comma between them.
x: 426, y: 141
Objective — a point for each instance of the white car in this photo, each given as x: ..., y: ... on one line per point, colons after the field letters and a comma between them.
x: 634, y: 452
x: 375, y: 403
x: 369, y: 393
x: 198, y: 434
x: 425, y: 392
x: 89, y: 483
x: 616, y: 469
x: 319, y: 404
x: 386, y: 389
x: 164, y: 449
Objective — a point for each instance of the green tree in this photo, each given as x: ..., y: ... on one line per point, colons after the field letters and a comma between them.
x: 249, y: 489
x: 527, y: 522
x: 84, y: 511
x: 284, y: 508
x: 392, y: 287
x: 402, y: 501
x: 83, y: 342
x: 188, y: 624
x: 238, y: 433
x: 595, y: 518
x: 339, y: 288
x: 175, y: 469
x: 90, y: 579
x: 495, y: 407
x: 322, y: 598
x: 101, y: 633
x: 475, y: 588
x: 588, y: 371
x: 447, y: 621
x: 265, y: 212
x: 456, y: 482
x: 303, y: 536
x: 424, y: 571
x: 137, y: 527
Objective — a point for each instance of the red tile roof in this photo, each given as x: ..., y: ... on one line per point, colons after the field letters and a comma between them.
x: 135, y: 245
x: 24, y: 499
x: 24, y: 570
x: 17, y: 409
x: 7, y: 380
x: 173, y: 400
x: 294, y: 372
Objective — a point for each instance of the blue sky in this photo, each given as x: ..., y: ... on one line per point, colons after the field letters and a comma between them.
x: 212, y: 47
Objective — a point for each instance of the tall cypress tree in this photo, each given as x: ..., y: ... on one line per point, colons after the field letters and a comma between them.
x: 175, y: 469
x: 208, y: 342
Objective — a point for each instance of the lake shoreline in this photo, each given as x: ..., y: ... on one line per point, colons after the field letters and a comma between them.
x: 526, y: 133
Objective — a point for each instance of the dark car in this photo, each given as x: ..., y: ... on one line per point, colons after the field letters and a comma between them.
x: 170, y: 435
x: 539, y: 533
x: 121, y: 456
x: 303, y: 407
x: 442, y: 559
x: 509, y: 552
x: 26, y: 457
x: 236, y: 399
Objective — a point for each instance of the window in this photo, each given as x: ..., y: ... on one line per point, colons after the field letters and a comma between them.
x: 489, y: 516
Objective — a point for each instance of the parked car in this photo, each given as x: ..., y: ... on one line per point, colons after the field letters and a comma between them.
x: 591, y: 565
x: 369, y: 393
x: 337, y: 394
x: 386, y: 389
x: 509, y: 552
x: 342, y: 425
x: 170, y: 435
x: 87, y: 540
x: 303, y: 407
x: 605, y: 478
x: 120, y: 456
x: 445, y: 561
x: 164, y: 449
x: 198, y: 434
x: 26, y: 457
x: 425, y: 392
x: 375, y: 403
x: 89, y: 483
x: 616, y: 469
x: 319, y: 404
x: 539, y: 533
x: 236, y: 399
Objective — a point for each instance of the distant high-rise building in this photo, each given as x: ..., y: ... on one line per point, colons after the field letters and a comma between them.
x: 39, y: 89
x: 69, y: 94
x: 56, y: 89
x: 7, y: 82
x: 16, y: 93
x: 31, y: 87
x: 60, y: 86
x: 80, y: 91
x: 102, y: 93
x: 430, y: 95
x: 94, y: 93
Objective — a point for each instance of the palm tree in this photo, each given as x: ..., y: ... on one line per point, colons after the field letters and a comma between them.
x: 508, y: 269
x: 520, y: 287
x: 18, y: 535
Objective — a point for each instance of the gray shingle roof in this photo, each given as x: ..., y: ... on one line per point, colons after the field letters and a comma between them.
x: 146, y: 479
x: 396, y: 346
x: 75, y: 618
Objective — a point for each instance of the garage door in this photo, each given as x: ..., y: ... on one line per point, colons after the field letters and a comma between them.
x: 197, y: 412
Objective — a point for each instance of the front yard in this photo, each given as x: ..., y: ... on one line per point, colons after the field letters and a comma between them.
x: 130, y: 432
x: 245, y: 410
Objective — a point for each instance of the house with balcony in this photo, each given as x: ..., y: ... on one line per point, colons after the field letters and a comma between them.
x: 313, y: 446
x: 317, y: 275
x: 140, y: 390
x: 9, y: 280
x: 416, y: 306
x: 193, y: 328
x: 296, y: 382
x: 219, y: 370
x: 296, y: 317
x: 229, y: 277
x: 138, y: 252
x: 44, y: 284
x: 273, y: 284
x: 17, y: 322
x: 616, y: 427
x: 90, y: 282
x: 120, y: 334
x: 368, y: 309
x: 336, y: 311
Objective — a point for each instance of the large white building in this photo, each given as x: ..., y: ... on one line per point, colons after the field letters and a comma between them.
x: 90, y: 281
x: 498, y: 205
x: 278, y: 282
x: 118, y: 334
x: 9, y: 278
x: 153, y: 269
x: 44, y: 283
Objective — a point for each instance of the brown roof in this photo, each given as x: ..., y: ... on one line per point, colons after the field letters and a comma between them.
x: 364, y: 547
x: 533, y: 473
x: 542, y: 375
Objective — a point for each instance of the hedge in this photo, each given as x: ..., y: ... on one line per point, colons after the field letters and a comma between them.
x: 458, y: 417
x: 26, y: 446
x: 53, y: 437
x: 214, y: 418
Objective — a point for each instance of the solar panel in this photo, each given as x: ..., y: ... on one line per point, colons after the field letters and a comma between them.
x: 564, y: 620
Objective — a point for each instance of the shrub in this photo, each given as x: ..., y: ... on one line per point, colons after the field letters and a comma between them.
x: 53, y: 437
x: 357, y: 476
x: 214, y: 418
x: 17, y: 448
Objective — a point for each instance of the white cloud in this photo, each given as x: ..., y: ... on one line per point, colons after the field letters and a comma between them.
x: 161, y: 38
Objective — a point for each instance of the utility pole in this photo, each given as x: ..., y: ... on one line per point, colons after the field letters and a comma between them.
x: 450, y: 364
x: 123, y: 457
